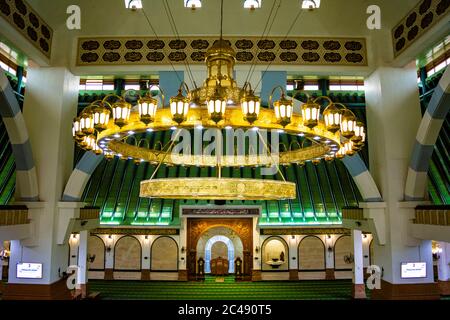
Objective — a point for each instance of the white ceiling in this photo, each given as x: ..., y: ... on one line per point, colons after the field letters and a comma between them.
x: 334, y: 18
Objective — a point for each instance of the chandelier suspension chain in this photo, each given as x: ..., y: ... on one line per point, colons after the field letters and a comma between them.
x: 219, y: 151
x: 278, y: 50
x: 263, y: 35
x: 271, y: 157
x: 175, y: 31
x: 221, y: 19
x: 157, y: 38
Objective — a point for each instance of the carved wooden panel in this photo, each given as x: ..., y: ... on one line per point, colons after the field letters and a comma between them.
x: 192, y: 50
x: 418, y: 21
x: 243, y: 227
x: 24, y: 19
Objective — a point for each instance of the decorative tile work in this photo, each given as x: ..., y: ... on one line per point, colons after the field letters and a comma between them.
x: 13, y: 215
x: 420, y: 19
x: 22, y: 17
x: 137, y: 231
x: 192, y: 50
x: 303, y: 231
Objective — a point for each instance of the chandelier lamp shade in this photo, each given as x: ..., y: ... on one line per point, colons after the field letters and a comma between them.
x: 193, y: 4
x: 147, y: 106
x: 332, y: 116
x: 250, y: 104
x: 179, y: 104
x: 121, y: 113
x: 101, y: 111
x: 341, y: 153
x: 216, y: 105
x: 360, y: 136
x: 283, y: 107
x: 86, y: 122
x: 252, y: 4
x: 348, y: 124
x: 349, y: 148
x: 311, y: 113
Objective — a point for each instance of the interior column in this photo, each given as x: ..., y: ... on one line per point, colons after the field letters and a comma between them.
x: 358, y: 287
x: 83, y: 262
x: 49, y: 107
x: 444, y: 268
x: 329, y: 258
x: 393, y: 117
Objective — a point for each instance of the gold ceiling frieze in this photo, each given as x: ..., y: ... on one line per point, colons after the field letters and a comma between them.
x: 137, y: 231
x: 303, y: 231
x: 95, y: 51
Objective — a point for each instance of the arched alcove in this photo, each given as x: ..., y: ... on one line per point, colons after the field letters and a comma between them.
x: 127, y: 254
x: 164, y: 254
x: 219, y: 246
x: 311, y: 254
x: 275, y: 254
x: 96, y: 253
x: 342, y: 249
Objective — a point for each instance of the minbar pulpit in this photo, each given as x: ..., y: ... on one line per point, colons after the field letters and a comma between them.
x: 219, y: 267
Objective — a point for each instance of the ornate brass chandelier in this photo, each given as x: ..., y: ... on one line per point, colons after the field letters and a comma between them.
x: 105, y: 126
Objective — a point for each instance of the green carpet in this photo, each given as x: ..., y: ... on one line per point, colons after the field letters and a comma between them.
x: 227, y: 290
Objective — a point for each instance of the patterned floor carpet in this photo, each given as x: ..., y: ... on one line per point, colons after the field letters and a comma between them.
x: 227, y: 290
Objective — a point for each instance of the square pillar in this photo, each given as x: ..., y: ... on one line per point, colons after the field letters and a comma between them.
x: 329, y: 258
x: 444, y: 269
x: 358, y: 288
x: 83, y: 262
x: 182, y: 261
x: 147, y: 242
x: 393, y: 118
x: 293, y: 257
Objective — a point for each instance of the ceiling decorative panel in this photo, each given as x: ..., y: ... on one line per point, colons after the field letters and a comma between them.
x: 420, y: 19
x: 24, y: 19
x: 192, y: 50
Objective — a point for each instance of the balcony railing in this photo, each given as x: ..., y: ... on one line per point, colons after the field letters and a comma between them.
x: 433, y: 215
x: 353, y: 213
x: 88, y: 213
x: 13, y: 215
